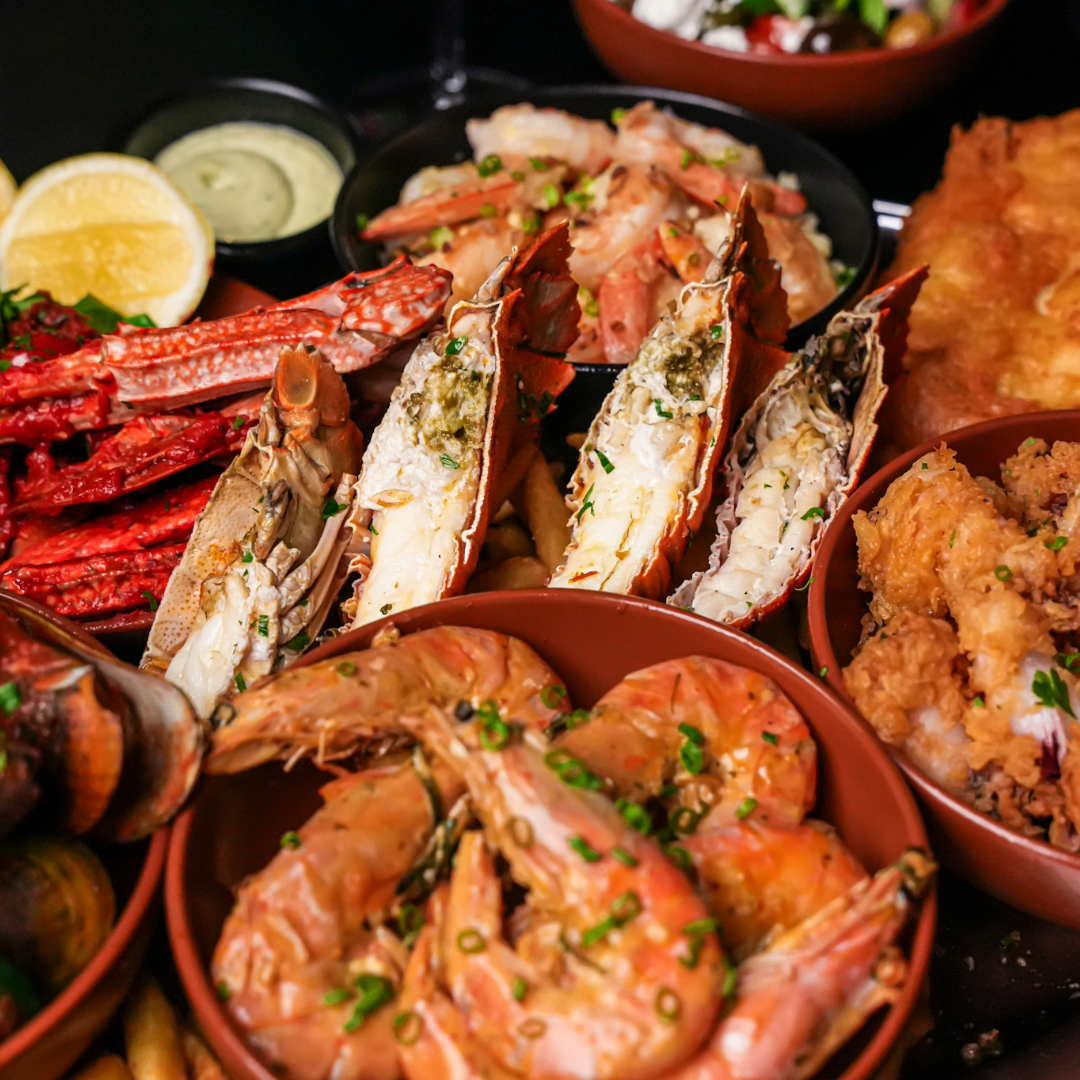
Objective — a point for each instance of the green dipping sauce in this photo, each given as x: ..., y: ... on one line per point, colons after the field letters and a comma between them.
x: 254, y: 181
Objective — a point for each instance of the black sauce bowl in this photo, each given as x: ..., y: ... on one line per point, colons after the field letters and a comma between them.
x: 832, y: 192
x: 291, y: 264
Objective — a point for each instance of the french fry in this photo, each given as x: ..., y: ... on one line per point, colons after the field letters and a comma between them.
x: 151, y: 1034
x: 519, y: 572
x: 541, y: 504
x: 515, y: 471
x: 507, y: 539
x: 109, y: 1067
x: 202, y: 1065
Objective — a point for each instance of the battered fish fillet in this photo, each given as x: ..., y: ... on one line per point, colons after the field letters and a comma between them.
x: 996, y: 329
x: 971, y: 606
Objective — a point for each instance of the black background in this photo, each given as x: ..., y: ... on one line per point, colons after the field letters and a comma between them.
x: 73, y: 71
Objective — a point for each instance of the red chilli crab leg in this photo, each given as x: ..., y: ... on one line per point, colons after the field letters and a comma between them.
x: 269, y: 552
x: 796, y: 456
x: 354, y: 323
x: 644, y: 477
x: 617, y: 973
x: 466, y: 396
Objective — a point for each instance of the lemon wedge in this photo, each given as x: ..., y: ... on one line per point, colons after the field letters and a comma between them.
x: 7, y: 191
x: 110, y: 225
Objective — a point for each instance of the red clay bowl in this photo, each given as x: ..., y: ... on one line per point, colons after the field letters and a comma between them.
x: 592, y: 640
x: 57, y: 1037
x: 1027, y: 873
x: 839, y: 91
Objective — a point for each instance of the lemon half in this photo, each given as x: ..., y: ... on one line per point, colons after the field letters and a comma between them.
x: 7, y: 191
x: 111, y: 225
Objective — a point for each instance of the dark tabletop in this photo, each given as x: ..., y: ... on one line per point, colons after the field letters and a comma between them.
x: 72, y: 71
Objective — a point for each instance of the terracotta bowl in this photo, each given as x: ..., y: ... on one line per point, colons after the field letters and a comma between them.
x: 840, y: 91
x: 593, y: 640
x: 57, y: 1037
x: 1027, y: 873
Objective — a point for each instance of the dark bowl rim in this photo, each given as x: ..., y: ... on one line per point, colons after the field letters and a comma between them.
x: 856, y: 58
x: 195, y: 977
x: 120, y: 937
x: 341, y: 227
x: 194, y: 88
x: 825, y: 655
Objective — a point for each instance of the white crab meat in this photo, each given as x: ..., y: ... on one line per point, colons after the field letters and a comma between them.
x: 423, y: 470
x: 641, y: 462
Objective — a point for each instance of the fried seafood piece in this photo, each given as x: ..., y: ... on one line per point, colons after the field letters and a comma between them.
x: 908, y: 682
x: 1045, y: 480
x: 468, y: 397
x: 644, y: 475
x: 755, y: 758
x: 335, y: 708
x: 598, y: 981
x: 939, y: 546
x: 312, y: 926
x: 796, y: 456
x: 995, y: 332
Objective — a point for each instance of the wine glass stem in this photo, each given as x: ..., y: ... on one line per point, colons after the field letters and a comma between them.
x: 448, y: 68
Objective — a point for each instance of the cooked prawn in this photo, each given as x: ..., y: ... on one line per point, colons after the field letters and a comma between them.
x: 635, y: 988
x: 815, y: 985
x: 707, y: 164
x: 805, y: 273
x: 334, y: 708
x: 528, y: 132
x: 760, y: 879
x: 307, y: 967
x: 752, y: 755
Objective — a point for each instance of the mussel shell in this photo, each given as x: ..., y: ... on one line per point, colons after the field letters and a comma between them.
x: 163, y: 740
x: 57, y: 907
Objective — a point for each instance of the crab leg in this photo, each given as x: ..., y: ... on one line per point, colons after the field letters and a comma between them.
x: 423, y: 497
x: 354, y: 323
x: 644, y: 477
x: 796, y: 457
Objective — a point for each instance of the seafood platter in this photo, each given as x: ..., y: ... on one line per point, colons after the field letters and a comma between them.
x: 460, y: 813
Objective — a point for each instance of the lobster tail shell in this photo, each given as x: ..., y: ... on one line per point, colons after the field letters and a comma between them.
x: 841, y: 378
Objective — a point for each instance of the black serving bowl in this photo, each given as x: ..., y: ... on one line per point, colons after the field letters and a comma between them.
x: 832, y: 192
x: 291, y: 264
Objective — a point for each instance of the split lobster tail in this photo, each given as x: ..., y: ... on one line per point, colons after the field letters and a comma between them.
x: 470, y: 396
x: 644, y: 477
x: 796, y: 456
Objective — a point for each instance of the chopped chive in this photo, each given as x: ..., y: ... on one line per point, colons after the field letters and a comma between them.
x: 552, y: 692
x: 624, y: 856
x: 335, y: 997
x: 581, y: 846
x: 240, y: 684
x: 490, y: 165
x: 770, y: 737
x: 746, y: 808
x: 455, y: 346
x: 447, y: 461
x: 587, y: 504
x: 408, y: 1027
x: 519, y: 989
x: 813, y: 512
x: 667, y: 1004
x: 290, y: 841
x: 10, y: 698
x: 264, y: 625
x: 151, y: 600
x: 471, y: 942
x: 604, y: 463
x: 660, y: 411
